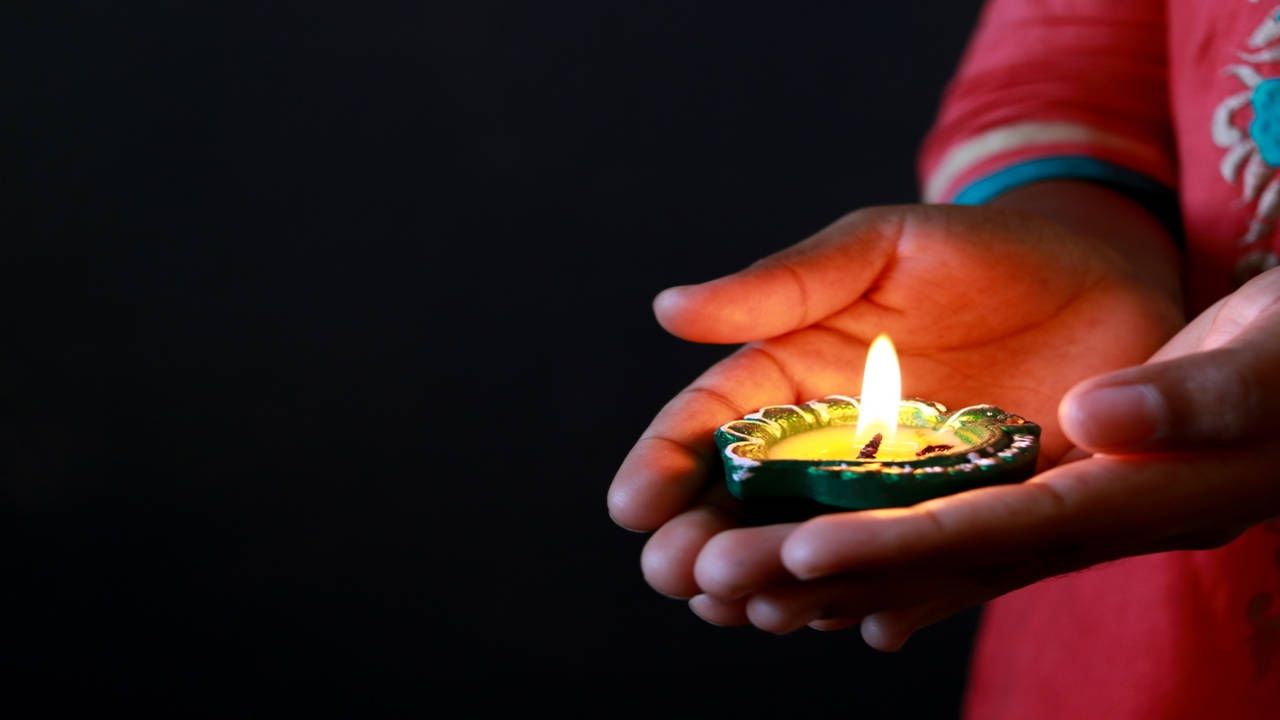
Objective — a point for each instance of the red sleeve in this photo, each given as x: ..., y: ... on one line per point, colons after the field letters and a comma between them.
x: 1054, y: 89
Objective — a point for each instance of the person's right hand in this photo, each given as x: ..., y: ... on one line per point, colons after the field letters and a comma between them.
x: 984, y: 305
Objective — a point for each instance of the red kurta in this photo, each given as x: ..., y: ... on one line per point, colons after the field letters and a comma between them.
x: 1162, y: 100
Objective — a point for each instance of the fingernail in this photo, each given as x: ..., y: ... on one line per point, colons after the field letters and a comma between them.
x: 668, y: 299
x: 675, y: 290
x: 1115, y: 417
x: 698, y: 603
x: 879, y: 635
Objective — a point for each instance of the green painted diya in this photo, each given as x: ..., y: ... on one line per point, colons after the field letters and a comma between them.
x: 808, y: 451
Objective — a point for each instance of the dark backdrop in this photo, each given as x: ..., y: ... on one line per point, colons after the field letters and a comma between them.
x: 326, y: 325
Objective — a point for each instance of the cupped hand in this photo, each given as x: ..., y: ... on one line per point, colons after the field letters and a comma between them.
x: 1185, y: 459
x: 984, y: 305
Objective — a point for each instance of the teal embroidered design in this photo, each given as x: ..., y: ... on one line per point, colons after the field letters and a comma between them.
x: 1265, y: 128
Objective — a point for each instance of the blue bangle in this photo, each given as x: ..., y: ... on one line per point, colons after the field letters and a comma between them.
x: 1160, y: 200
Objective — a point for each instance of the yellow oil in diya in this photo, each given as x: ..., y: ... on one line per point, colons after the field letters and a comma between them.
x: 840, y: 442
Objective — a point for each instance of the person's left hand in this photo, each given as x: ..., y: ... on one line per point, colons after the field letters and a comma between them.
x: 1185, y: 459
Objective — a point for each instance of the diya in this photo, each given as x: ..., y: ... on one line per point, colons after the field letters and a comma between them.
x: 876, y: 450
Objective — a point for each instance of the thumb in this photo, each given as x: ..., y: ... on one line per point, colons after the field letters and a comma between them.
x: 1224, y: 396
x: 788, y: 290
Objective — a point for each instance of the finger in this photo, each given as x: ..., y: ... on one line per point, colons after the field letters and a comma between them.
x: 1038, y: 521
x: 971, y: 547
x: 1240, y: 309
x: 893, y: 605
x: 675, y: 456
x: 958, y: 551
x: 725, y: 613
x: 1220, y: 396
x: 1067, y: 518
x: 1222, y: 321
x: 833, y: 624
x: 668, y: 557
x: 872, y: 540
x: 1073, y: 455
x: 788, y: 290
x: 1197, y: 335
x: 889, y: 630
x: 740, y: 561
x: 788, y: 607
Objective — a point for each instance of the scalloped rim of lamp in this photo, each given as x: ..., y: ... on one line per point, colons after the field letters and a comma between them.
x: 1001, y: 448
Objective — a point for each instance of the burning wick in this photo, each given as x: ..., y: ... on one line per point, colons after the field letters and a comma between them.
x: 881, y: 393
x: 869, y: 450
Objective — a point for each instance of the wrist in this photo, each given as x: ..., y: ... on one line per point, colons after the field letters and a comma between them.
x: 1120, y: 226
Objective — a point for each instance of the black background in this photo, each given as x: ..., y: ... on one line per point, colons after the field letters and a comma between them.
x: 326, y: 325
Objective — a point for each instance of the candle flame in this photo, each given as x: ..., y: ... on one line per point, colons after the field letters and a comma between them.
x: 881, y: 392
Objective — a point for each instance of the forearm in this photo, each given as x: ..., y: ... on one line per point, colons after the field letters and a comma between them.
x: 1017, y: 120
x: 1118, y: 223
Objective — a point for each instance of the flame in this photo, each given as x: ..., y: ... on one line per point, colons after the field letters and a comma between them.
x: 881, y: 393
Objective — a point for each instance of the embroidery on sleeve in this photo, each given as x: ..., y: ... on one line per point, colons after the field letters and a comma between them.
x: 1253, y: 147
